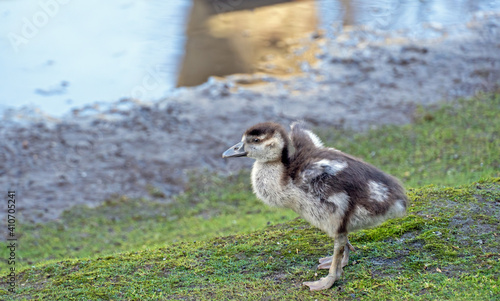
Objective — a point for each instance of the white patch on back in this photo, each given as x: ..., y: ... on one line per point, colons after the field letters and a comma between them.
x: 378, y: 191
x: 331, y: 167
x: 315, y: 139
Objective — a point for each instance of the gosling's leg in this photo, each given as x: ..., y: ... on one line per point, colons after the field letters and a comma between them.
x: 325, y: 262
x: 347, y: 249
x: 335, y: 268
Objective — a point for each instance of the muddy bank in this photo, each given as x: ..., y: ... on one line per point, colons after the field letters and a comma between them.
x: 364, y: 78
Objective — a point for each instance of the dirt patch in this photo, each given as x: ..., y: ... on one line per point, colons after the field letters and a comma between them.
x: 363, y: 79
x: 385, y: 267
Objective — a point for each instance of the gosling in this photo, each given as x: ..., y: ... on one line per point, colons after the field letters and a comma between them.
x: 333, y: 191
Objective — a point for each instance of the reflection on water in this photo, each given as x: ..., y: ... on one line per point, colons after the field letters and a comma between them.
x: 60, y: 54
x: 263, y: 39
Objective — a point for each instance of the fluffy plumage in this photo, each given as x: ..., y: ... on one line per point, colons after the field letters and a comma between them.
x: 334, y: 191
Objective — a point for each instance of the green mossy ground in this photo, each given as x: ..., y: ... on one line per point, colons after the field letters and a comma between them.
x: 446, y: 248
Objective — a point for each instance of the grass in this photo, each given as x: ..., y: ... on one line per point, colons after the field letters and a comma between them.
x: 444, y: 249
x: 176, y: 247
x: 122, y: 223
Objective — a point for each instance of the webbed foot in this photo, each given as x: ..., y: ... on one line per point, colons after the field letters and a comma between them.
x: 325, y: 262
x: 324, y: 265
x: 326, y: 259
x: 322, y: 284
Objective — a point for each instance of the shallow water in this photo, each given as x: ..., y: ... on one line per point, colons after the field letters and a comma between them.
x: 88, y: 51
x: 61, y: 54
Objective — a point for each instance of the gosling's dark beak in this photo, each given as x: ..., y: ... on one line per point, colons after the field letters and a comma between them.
x: 237, y: 150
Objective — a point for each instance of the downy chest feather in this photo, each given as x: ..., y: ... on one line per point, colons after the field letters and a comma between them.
x: 268, y: 185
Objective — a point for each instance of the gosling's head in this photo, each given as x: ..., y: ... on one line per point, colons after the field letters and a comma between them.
x: 264, y: 142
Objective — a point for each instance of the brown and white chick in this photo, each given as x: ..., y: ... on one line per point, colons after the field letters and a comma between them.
x: 332, y: 190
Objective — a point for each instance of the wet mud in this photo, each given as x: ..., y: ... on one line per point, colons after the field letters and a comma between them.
x: 362, y: 79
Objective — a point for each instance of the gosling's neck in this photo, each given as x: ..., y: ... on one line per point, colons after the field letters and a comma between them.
x: 267, y: 171
x: 268, y: 182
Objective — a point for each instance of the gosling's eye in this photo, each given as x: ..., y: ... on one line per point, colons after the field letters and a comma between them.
x: 256, y: 140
